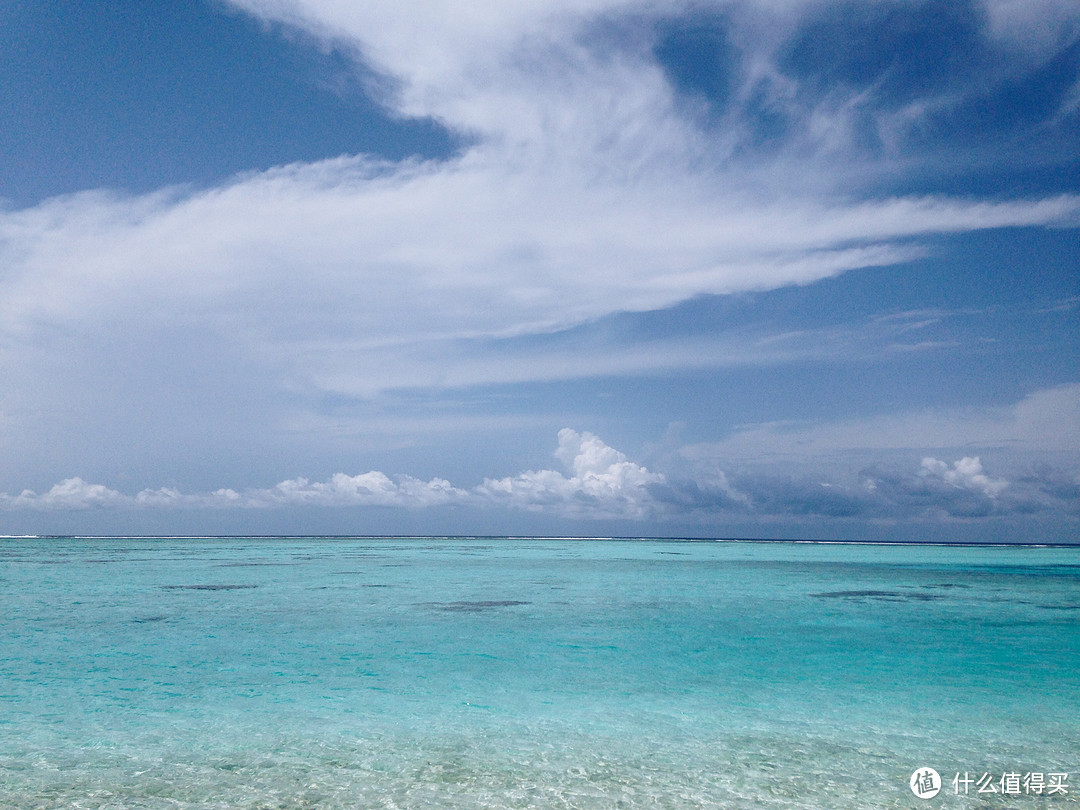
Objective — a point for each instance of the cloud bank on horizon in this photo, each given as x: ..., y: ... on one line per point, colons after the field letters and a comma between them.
x: 616, y: 159
x: 600, y: 482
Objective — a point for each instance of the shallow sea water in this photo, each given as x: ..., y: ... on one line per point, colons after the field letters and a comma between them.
x: 286, y: 673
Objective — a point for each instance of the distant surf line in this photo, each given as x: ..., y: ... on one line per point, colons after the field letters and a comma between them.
x: 543, y: 538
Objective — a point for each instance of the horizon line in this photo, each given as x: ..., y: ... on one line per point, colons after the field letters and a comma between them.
x: 582, y: 538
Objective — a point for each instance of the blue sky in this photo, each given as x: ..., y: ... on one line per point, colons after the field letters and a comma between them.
x: 720, y: 268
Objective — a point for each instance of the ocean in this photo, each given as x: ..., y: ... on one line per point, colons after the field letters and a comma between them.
x: 288, y: 673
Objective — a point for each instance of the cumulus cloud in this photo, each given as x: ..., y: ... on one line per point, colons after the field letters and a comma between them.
x: 967, y: 473
x: 602, y: 482
x: 71, y: 493
x: 367, y: 489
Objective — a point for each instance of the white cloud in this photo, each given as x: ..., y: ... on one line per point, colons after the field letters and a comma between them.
x: 585, y: 193
x: 603, y: 482
x: 448, y: 57
x: 71, y: 493
x: 367, y: 489
x: 314, y: 274
x: 967, y: 473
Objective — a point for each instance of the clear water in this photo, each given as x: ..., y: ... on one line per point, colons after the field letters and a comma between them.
x: 469, y: 673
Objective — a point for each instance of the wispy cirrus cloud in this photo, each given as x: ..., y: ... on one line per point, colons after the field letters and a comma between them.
x: 315, y: 275
x: 585, y: 192
x: 590, y: 182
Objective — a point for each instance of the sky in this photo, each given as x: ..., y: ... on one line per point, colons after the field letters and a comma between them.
x: 713, y: 268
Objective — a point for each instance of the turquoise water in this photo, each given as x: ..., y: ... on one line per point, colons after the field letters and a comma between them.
x: 467, y: 673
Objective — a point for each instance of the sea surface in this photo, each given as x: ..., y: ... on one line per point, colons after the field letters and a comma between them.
x: 288, y: 673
